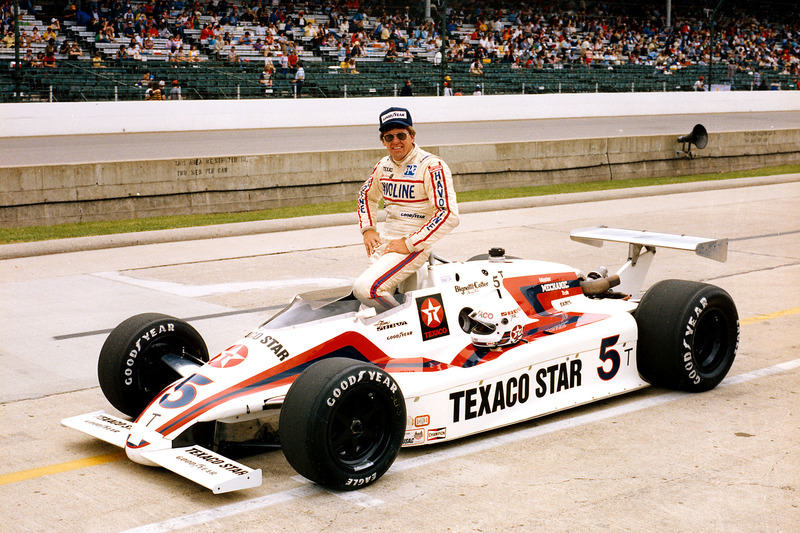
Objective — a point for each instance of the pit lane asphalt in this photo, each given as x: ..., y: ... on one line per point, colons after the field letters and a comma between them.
x: 652, y: 460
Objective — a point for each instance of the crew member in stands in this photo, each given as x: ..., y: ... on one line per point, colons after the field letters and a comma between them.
x: 420, y: 203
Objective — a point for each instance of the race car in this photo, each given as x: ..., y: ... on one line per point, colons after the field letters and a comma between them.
x: 473, y: 346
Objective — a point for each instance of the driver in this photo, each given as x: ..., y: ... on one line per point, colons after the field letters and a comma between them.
x: 420, y: 203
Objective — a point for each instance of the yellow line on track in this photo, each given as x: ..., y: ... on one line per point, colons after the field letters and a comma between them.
x: 770, y: 316
x: 61, y: 467
x: 119, y: 455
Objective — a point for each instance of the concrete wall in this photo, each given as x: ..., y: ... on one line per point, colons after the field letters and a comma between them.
x: 29, y: 119
x: 41, y: 195
x: 74, y: 193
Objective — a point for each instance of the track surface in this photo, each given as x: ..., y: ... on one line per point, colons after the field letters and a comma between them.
x: 726, y: 460
x: 58, y: 150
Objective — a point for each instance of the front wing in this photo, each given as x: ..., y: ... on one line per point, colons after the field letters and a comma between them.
x: 195, y: 463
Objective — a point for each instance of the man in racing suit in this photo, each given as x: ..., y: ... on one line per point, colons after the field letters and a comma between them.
x: 420, y: 203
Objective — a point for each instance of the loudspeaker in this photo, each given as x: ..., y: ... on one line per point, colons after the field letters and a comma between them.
x: 698, y: 137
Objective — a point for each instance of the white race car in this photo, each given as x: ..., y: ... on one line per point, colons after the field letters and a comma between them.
x: 473, y: 346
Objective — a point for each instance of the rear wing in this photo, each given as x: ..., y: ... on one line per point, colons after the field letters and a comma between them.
x: 642, y: 248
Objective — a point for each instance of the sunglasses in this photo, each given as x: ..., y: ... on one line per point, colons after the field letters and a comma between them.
x: 389, y: 137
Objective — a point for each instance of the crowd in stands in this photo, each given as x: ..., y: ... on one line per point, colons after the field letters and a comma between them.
x: 537, y: 34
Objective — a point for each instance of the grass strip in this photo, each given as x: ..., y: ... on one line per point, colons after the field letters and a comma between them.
x: 84, y: 229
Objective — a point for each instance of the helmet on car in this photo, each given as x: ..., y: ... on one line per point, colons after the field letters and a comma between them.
x: 497, y: 322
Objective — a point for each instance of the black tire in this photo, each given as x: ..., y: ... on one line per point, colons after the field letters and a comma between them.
x: 342, y: 423
x: 688, y: 335
x: 130, y: 368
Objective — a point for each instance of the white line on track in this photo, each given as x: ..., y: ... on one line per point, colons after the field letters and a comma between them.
x: 196, y: 291
x: 451, y: 452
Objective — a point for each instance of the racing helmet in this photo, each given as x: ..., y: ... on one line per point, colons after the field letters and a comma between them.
x: 497, y: 322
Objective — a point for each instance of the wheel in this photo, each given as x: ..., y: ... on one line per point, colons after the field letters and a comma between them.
x: 342, y: 423
x: 688, y: 335
x: 131, y: 368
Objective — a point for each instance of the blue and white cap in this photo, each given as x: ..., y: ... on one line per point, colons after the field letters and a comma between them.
x: 395, y: 117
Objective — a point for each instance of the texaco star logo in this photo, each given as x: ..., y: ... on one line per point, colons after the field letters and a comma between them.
x: 230, y: 357
x: 431, y: 313
x: 516, y: 333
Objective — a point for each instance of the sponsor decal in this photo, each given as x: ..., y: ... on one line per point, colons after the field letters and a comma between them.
x: 399, y: 335
x: 110, y: 424
x: 415, y: 216
x: 410, y: 171
x: 361, y: 481
x: 230, y: 357
x: 272, y: 343
x: 432, y: 318
x: 368, y: 375
x: 556, y: 286
x: 398, y: 191
x: 492, y: 397
x: 423, y: 420
x: 437, y: 176
x: 394, y: 115
x: 146, y: 336
x: 414, y: 436
x: 216, y: 460
x: 437, y: 434
x: 382, y: 325
x: 471, y: 287
x: 387, y: 169
x: 688, y: 335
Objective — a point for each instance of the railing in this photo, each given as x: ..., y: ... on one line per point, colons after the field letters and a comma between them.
x: 78, y: 81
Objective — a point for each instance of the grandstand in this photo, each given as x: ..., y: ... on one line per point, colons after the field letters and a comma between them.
x: 218, y: 50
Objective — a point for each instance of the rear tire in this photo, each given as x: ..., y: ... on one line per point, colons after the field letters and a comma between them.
x: 688, y: 335
x: 342, y: 423
x: 130, y: 368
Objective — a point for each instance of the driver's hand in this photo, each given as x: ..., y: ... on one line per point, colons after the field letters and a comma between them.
x: 398, y: 246
x: 372, y: 239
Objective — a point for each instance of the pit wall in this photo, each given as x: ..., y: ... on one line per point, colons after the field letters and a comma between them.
x: 45, y: 195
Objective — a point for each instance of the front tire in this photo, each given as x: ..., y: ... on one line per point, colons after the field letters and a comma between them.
x: 131, y: 369
x: 342, y: 423
x: 688, y: 335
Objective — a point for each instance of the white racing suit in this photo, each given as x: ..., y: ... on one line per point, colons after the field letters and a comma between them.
x: 421, y: 208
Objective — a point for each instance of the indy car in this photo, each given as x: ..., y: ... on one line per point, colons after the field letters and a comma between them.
x: 473, y: 346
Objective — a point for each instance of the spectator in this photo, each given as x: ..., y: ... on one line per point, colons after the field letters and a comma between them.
x: 49, y: 59
x: 219, y: 48
x: 233, y: 57
x: 74, y: 53
x: 49, y: 34
x: 407, y: 90
x: 266, y: 75
x: 145, y: 80
x: 699, y: 85
x: 476, y: 68
x: 29, y: 59
x: 175, y: 92
x: 477, y: 91
x: 299, y: 80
